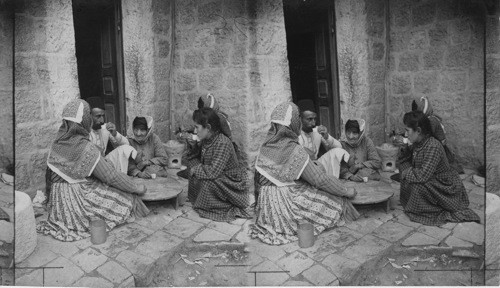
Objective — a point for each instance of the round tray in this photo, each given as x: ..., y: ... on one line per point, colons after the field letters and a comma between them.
x: 371, y: 192
x: 161, y: 188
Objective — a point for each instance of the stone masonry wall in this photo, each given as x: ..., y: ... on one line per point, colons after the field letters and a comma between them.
x: 361, y: 53
x: 493, y: 103
x: 146, y: 44
x: 436, y: 50
x: 6, y: 81
x: 45, y: 80
x: 236, y: 50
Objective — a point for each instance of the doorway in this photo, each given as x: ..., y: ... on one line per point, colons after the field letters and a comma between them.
x: 99, y: 55
x: 312, y: 57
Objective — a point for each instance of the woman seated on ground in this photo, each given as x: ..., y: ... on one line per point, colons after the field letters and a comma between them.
x: 218, y: 186
x: 84, y: 184
x: 151, y: 155
x: 364, y: 160
x: 291, y: 188
x: 432, y: 193
x: 437, y: 129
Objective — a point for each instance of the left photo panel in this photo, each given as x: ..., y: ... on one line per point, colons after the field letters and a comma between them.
x: 6, y: 143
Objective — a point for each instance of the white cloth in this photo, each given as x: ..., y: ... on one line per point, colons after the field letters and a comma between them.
x: 331, y: 161
x: 119, y: 157
x: 313, y: 140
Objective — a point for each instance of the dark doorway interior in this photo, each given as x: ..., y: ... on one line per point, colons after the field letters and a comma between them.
x: 312, y: 58
x: 98, y: 54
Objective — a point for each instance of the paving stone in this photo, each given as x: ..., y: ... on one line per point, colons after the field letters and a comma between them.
x: 470, y: 231
x: 365, y: 248
x: 210, y: 235
x: 434, y: 232
x: 38, y: 258
x: 405, y: 220
x: 7, y: 229
x: 420, y: 239
x: 112, y: 247
x: 89, y: 259
x: 129, y: 282
x: 32, y: 278
x: 378, y: 214
x: 158, y: 244
x: 224, y: 227
x: 93, y: 282
x: 239, y: 221
x: 455, y: 242
x: 243, y: 236
x: 290, y: 247
x: 392, y: 231
x: 154, y: 221
x: 319, y: 276
x: 66, y: 249
x: 328, y: 243
x: 135, y: 263
x: 269, y: 279
x: 297, y: 283
x: 449, y: 225
x: 192, y: 215
x: 253, y: 259
x: 182, y: 227
x: 364, y: 225
x: 84, y: 243
x: 114, y: 272
x: 131, y: 233
x: 296, y: 263
x: 270, y: 252
x: 342, y: 267
x: 62, y: 277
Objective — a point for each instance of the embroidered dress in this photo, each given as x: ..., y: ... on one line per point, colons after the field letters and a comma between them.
x: 432, y: 193
x: 218, y: 186
x: 291, y: 188
x: 81, y: 182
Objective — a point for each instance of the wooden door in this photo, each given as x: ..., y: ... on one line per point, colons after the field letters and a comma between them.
x: 111, y: 60
x: 327, y: 96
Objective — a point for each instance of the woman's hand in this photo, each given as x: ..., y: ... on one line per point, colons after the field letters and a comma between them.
x: 144, y: 175
x: 141, y: 165
x: 351, y: 193
x: 356, y: 178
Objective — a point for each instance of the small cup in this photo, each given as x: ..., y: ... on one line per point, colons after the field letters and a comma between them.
x: 365, y: 179
x: 98, y: 234
x: 153, y: 176
x: 306, y: 235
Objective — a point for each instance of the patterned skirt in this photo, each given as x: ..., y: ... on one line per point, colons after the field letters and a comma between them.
x: 280, y: 209
x: 72, y: 206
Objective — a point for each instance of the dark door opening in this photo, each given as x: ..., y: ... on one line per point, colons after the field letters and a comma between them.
x: 312, y: 57
x: 99, y: 55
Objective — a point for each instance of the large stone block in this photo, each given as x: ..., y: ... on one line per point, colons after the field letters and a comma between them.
x: 27, y: 106
x: 375, y: 28
x: 400, y: 13
x: 438, y: 35
x: 210, y: 12
x: 492, y: 35
x: 398, y: 41
x: 211, y: 80
x: 375, y: 8
x: 60, y: 37
x: 234, y: 9
x: 186, y: 81
x: 409, y: 62
x: 447, y: 9
x: 163, y: 48
x: 378, y: 51
x: 217, y: 57
x: 161, y: 7
x: 186, y: 11
x: 193, y: 59
x: 237, y: 79
x: 459, y: 56
x: 425, y: 82
x: 433, y: 59
x: 460, y: 31
x: 453, y: 81
x: 239, y: 55
x: 401, y: 84
x: 376, y: 73
x: 424, y: 14
x: 492, y: 73
x: 418, y: 40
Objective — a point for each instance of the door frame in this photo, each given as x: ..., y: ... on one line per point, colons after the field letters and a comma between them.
x: 332, y: 35
x: 120, y: 71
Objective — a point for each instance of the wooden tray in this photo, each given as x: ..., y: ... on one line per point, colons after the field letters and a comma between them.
x: 371, y: 193
x: 162, y: 188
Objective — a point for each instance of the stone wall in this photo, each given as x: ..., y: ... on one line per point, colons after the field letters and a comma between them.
x: 361, y: 49
x: 493, y: 103
x: 147, y: 62
x: 436, y: 50
x: 6, y: 81
x: 45, y: 80
x: 236, y: 50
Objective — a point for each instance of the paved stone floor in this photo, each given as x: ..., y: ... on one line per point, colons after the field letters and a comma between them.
x: 132, y: 250
x: 6, y: 234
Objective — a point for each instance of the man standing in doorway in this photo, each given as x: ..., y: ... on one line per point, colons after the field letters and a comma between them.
x: 102, y: 133
x: 312, y: 136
